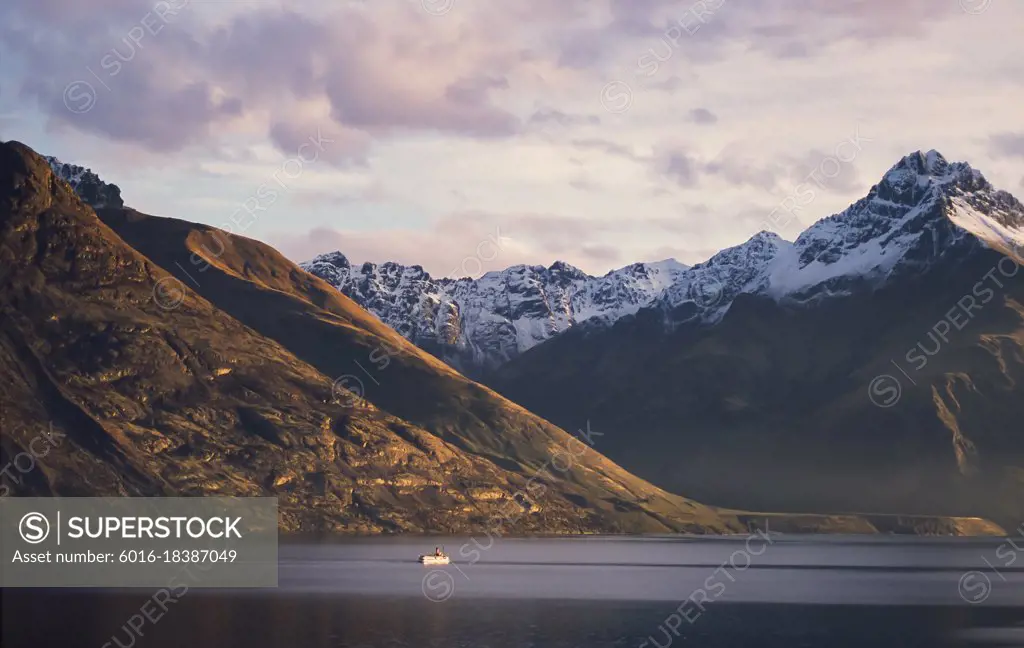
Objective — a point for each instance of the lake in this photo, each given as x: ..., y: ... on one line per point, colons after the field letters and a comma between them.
x: 594, y: 591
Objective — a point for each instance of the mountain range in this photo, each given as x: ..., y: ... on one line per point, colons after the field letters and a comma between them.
x: 871, y: 364
x: 479, y: 324
x: 172, y: 358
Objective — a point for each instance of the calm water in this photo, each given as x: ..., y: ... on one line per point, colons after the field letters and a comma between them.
x: 601, y: 591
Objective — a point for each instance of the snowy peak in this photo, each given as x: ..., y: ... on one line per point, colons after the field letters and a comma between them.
x: 625, y: 291
x: 477, y: 324
x: 916, y: 175
x: 934, y: 162
x: 918, y: 163
x: 705, y: 291
x: 644, y: 278
x: 903, y: 221
x: 332, y: 267
x: 922, y: 209
x: 335, y: 258
x: 760, y: 247
x: 662, y: 273
x: 563, y: 269
x: 919, y: 168
x: 87, y: 185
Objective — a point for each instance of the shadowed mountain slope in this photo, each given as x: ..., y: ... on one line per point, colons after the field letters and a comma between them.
x: 875, y: 364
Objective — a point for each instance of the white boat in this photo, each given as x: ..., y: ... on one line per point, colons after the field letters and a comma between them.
x: 434, y: 560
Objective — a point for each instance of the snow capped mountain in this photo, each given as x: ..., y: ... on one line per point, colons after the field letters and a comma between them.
x: 87, y: 184
x: 923, y: 209
x: 705, y: 291
x: 480, y: 323
x: 906, y: 220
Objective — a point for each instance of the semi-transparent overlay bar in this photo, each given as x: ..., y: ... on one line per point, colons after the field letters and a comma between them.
x: 138, y: 542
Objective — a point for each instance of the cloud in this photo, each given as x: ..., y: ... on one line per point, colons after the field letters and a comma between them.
x: 845, y: 180
x: 658, y: 30
x: 335, y: 144
x: 1007, y: 144
x: 68, y: 10
x: 741, y: 172
x: 608, y: 147
x: 688, y: 170
x: 551, y: 116
x: 374, y: 74
x: 496, y: 107
x: 168, y: 119
x: 702, y: 116
x: 771, y: 24
x: 380, y: 71
x: 681, y: 225
x: 603, y: 254
x: 462, y: 107
x: 681, y: 168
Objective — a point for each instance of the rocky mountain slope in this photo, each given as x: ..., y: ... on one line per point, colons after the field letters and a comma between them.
x: 87, y: 184
x: 155, y: 385
x: 477, y: 324
x: 874, y: 363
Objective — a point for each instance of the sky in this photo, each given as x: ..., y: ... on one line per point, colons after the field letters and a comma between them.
x: 471, y: 135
